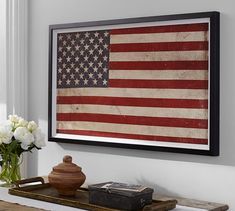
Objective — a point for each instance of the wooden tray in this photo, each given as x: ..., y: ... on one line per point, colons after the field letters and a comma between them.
x: 45, y: 192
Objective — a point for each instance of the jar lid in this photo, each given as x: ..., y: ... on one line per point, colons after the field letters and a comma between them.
x: 67, y: 166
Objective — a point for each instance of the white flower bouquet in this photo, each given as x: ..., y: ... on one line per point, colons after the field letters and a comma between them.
x: 16, y: 137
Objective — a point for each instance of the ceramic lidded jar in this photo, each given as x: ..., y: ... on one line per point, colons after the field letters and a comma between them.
x: 66, y: 177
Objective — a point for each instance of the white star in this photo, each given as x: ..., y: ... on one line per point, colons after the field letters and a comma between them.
x: 68, y: 70
x: 68, y: 48
x: 59, y: 82
x: 86, y: 47
x: 60, y: 70
x: 85, y: 81
x: 60, y: 37
x: 60, y: 59
x: 63, y: 76
x: 106, y: 34
x: 95, y: 58
x: 85, y: 69
x: 105, y: 46
x: 82, y: 41
x: 64, y: 42
x: 101, y: 39
x: 64, y: 65
x: 105, y: 69
x: 73, y: 42
x: 91, y: 51
x: 105, y: 82
x: 77, y: 47
x: 87, y: 34
x: 86, y: 58
x: 68, y: 82
x: 77, y: 35
x: 96, y: 34
x: 91, y: 64
x: 68, y: 59
x: 100, y: 64
x: 81, y: 75
x: 105, y: 58
x: 76, y: 59
x: 91, y: 40
x: 72, y: 65
x: 69, y: 36
x: 64, y: 53
x: 100, y: 75
x: 100, y: 51
x: 76, y: 81
x: 81, y: 64
x: 90, y: 75
x: 96, y: 46
x: 82, y: 52
x: 60, y: 48
x: 77, y: 69
x: 95, y: 69
x: 95, y: 81
x: 72, y: 53
x: 72, y: 76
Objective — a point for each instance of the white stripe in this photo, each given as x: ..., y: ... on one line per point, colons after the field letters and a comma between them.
x: 159, y: 56
x: 160, y: 74
x: 138, y: 93
x: 134, y: 129
x: 134, y: 111
x: 159, y: 37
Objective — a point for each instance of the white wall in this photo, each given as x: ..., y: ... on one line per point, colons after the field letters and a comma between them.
x: 199, y: 177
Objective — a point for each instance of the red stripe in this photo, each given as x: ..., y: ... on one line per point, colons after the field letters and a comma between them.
x: 134, y: 136
x: 139, y: 102
x: 134, y: 120
x: 164, y: 46
x: 162, y: 29
x: 166, y: 84
x: 159, y: 65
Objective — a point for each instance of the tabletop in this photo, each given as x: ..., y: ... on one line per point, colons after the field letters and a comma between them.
x: 5, y: 196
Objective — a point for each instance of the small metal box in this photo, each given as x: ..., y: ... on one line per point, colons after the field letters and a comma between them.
x: 120, y: 196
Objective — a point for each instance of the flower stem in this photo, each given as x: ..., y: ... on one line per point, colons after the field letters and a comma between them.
x: 10, y: 168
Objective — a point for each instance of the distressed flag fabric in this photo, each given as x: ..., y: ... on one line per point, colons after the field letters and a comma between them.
x: 143, y: 83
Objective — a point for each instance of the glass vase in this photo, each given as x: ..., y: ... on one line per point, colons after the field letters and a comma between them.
x: 10, y: 170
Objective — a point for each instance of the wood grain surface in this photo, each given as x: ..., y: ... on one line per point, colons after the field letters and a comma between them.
x: 7, y: 206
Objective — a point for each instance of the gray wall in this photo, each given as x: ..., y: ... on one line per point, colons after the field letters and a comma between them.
x: 200, y: 177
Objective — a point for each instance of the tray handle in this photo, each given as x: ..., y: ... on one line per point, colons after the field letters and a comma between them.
x: 28, y: 181
x: 161, y: 206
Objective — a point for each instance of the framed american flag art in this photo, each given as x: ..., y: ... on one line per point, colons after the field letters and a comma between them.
x: 148, y: 83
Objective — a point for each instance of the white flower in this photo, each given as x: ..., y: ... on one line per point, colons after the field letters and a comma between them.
x: 27, y: 134
x: 39, y: 138
x: 22, y: 122
x: 5, y: 134
x: 24, y: 136
x: 32, y: 126
x: 10, y: 125
x: 14, y: 118
x: 26, y: 141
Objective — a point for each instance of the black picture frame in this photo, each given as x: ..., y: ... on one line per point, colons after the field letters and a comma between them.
x: 212, y: 145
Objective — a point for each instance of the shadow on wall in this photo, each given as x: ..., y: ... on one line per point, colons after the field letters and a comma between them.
x: 157, y: 188
x: 142, y: 153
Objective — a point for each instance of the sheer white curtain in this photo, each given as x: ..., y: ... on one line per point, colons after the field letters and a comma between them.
x: 3, y: 69
x: 13, y: 60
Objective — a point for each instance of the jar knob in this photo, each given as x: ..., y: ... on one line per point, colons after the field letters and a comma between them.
x: 67, y: 159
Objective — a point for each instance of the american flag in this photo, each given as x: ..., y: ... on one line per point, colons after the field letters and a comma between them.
x: 143, y: 83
